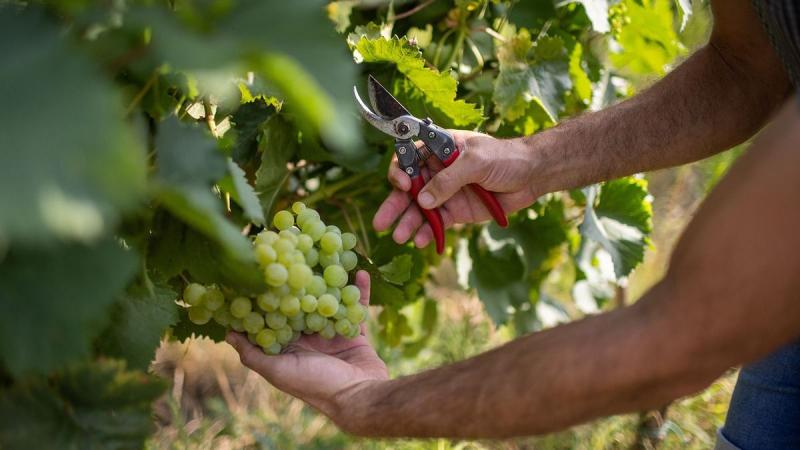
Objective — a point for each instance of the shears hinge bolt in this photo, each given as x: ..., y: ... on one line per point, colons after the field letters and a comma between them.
x: 431, y: 135
x: 447, y: 150
x: 409, y: 170
x: 402, y: 128
x: 402, y: 150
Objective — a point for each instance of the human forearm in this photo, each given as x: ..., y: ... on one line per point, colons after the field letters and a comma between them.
x: 708, y: 104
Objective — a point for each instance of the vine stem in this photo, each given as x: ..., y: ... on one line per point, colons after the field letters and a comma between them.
x: 209, y: 116
x: 413, y: 10
x: 140, y: 95
x: 328, y: 191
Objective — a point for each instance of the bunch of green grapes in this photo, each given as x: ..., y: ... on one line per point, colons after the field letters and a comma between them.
x: 618, y: 17
x: 306, y: 265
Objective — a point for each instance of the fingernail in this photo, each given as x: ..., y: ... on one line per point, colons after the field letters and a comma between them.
x: 425, y: 200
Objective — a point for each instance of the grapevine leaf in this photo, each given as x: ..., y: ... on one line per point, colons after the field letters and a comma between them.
x: 278, y: 144
x: 580, y: 80
x: 498, y: 277
x: 619, y: 221
x: 174, y: 248
x: 97, y: 405
x: 438, y: 89
x: 686, y: 12
x: 244, y: 194
x: 187, y: 156
x: 66, y: 175
x: 649, y: 43
x: 138, y: 320
x: 67, y: 298
x: 597, y: 10
x: 339, y: 13
x: 519, y: 83
x: 248, y: 121
x: 538, y: 238
x: 186, y: 329
x: 398, y: 271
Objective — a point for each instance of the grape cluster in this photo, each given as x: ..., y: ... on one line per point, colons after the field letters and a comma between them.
x: 298, y: 299
x: 618, y: 17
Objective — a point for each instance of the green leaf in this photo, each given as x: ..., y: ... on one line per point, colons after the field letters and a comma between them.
x: 187, y: 155
x: 97, y: 405
x: 498, y: 277
x: 69, y: 164
x: 519, y: 82
x: 175, y: 248
x: 138, y: 321
x: 278, y: 145
x: 54, y: 302
x: 619, y: 221
x: 649, y: 43
x: 186, y: 329
x: 339, y: 13
x: 244, y: 194
x: 398, y: 271
x: 248, y: 121
x: 438, y: 89
x: 580, y: 80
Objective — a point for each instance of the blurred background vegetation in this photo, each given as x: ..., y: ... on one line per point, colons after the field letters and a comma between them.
x: 215, y: 403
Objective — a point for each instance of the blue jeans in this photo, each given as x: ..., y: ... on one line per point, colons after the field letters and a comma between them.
x: 765, y: 408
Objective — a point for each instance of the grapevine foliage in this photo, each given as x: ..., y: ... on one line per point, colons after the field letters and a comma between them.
x: 144, y: 143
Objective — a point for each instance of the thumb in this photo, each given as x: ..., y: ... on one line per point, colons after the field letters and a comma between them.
x: 447, y: 182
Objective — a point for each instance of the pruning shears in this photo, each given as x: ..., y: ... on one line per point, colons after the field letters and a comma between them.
x: 391, y: 117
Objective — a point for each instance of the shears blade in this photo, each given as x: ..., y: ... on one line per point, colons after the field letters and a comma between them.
x: 378, y: 122
x: 383, y: 102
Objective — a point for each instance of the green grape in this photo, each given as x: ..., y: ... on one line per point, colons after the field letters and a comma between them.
x: 273, y: 349
x: 343, y: 327
x: 304, y: 242
x: 193, y: 294
x: 281, y: 290
x: 317, y: 286
x: 298, y: 207
x: 298, y: 257
x: 330, y: 242
x: 276, y: 274
x: 266, y: 337
x: 289, y: 236
x: 237, y: 324
x: 335, y: 276
x: 299, y: 293
x: 308, y: 303
x: 268, y: 302
x: 328, y: 259
x: 354, y: 332
x: 314, y: 228
x: 305, y: 216
x: 290, y: 305
x: 356, y: 313
x: 213, y: 299
x: 266, y: 237
x: 348, y: 241
x: 295, y: 231
x: 334, y: 291
x: 265, y: 254
x: 351, y: 295
x: 327, y: 305
x: 253, y: 322
x: 287, y: 259
x: 240, y: 307
x: 341, y: 312
x: 333, y: 229
x: 295, y: 336
x: 283, y: 246
x: 251, y: 337
x: 349, y: 260
x: 299, y: 276
x: 298, y: 322
x: 223, y: 316
x: 275, y: 320
x: 312, y: 257
x: 199, y: 315
x: 315, y: 322
x: 283, y: 219
x: 284, y: 335
x: 329, y: 332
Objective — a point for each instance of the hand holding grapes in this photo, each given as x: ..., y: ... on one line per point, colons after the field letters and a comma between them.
x: 315, y: 369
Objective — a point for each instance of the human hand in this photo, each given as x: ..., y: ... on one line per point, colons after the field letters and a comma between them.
x: 321, y: 372
x: 500, y: 166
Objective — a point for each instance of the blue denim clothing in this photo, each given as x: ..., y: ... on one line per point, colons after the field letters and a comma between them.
x: 765, y: 408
